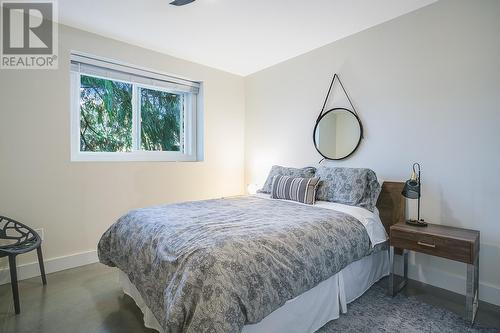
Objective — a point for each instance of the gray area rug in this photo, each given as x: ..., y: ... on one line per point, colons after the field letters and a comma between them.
x: 377, y: 312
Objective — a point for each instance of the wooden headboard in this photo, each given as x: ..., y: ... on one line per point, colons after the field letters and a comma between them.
x: 391, y: 204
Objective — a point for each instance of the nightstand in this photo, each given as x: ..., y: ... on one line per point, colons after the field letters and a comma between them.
x: 441, y: 241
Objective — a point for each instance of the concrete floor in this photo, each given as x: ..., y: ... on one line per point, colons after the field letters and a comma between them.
x: 84, y: 299
x: 89, y: 299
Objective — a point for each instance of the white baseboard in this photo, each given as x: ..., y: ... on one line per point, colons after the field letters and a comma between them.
x: 29, y: 270
x: 446, y: 280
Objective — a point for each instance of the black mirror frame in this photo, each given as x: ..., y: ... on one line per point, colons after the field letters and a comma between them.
x: 360, y: 133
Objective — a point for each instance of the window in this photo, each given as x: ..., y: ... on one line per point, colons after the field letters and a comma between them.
x: 122, y: 113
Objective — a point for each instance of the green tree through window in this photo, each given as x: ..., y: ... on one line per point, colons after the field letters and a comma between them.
x: 105, y: 115
x: 161, y: 114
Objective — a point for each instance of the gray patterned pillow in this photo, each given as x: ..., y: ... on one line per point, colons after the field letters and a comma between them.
x: 350, y: 186
x: 277, y: 170
x: 296, y: 189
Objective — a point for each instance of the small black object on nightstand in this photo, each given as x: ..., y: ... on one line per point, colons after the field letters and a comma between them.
x: 412, y: 190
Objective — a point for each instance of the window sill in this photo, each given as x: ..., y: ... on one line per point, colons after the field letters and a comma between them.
x: 137, y: 156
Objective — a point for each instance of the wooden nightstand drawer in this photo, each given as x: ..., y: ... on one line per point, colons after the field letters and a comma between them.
x: 437, y: 240
x: 450, y: 248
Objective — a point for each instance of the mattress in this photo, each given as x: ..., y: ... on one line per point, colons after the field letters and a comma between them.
x: 307, y: 312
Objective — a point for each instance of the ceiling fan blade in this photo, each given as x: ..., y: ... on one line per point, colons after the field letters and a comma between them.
x: 181, y: 2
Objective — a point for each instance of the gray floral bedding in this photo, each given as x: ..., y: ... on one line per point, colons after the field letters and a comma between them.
x: 216, y: 265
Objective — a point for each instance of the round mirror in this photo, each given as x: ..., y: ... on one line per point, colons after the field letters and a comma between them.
x: 337, y: 133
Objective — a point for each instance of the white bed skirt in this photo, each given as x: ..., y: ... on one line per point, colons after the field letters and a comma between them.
x: 307, y: 312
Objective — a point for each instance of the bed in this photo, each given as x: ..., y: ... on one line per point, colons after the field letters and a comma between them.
x: 249, y: 264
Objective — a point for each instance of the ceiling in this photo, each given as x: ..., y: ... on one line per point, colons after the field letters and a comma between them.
x: 237, y: 36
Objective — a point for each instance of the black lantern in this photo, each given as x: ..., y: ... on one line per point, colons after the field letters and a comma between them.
x: 412, y: 190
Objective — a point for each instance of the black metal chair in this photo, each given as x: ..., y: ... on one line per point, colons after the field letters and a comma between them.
x: 17, y: 238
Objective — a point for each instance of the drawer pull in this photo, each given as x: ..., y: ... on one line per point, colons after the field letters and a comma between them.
x: 426, y: 244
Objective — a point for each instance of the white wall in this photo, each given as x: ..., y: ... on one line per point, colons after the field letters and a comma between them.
x: 427, y: 88
x: 75, y: 202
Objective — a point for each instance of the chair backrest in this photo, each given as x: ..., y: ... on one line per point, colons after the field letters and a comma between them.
x: 14, y: 234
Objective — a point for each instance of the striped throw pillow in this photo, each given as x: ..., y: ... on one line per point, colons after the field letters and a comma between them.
x: 296, y: 189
